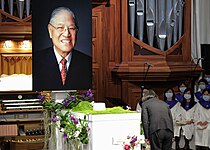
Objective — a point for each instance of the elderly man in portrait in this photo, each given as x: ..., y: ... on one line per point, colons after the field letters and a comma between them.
x: 61, y: 66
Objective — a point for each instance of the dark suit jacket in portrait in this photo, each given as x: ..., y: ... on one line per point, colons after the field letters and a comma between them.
x: 156, y: 115
x: 46, y: 73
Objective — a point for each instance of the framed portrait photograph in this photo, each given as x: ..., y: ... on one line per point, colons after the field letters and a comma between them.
x: 62, y: 44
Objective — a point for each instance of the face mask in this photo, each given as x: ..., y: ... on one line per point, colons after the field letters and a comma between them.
x: 169, y: 95
x: 182, y: 89
x: 206, y: 97
x: 202, y: 87
x: 207, y: 79
x: 187, y: 96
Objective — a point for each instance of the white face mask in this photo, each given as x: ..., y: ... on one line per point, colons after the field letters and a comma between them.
x: 169, y: 95
x: 202, y: 87
x: 187, y: 96
x: 182, y: 89
x: 206, y: 98
x: 207, y: 79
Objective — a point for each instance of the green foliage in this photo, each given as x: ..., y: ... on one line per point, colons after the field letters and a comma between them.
x: 113, y: 110
x: 75, y: 129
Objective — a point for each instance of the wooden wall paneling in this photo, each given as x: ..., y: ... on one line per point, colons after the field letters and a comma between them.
x: 115, y: 11
x: 4, y: 65
x: 109, y: 49
x: 130, y: 93
x: 97, y: 52
x: 16, y: 61
x: 125, y: 94
x: 124, y: 31
x: 187, y: 31
x: 134, y: 93
x: 1, y: 64
x: 112, y: 53
x: 16, y: 64
x: 26, y: 65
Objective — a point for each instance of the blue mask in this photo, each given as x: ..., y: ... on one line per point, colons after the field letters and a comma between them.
x: 169, y: 95
x: 202, y: 87
x: 182, y: 89
x: 187, y: 96
x: 207, y: 79
x: 206, y: 98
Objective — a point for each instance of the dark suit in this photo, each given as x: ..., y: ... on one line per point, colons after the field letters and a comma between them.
x: 157, y: 124
x: 46, y: 73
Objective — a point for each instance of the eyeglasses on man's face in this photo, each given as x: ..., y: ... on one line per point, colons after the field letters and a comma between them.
x: 62, y: 28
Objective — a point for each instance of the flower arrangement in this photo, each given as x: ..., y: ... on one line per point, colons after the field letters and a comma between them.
x: 74, y: 129
x: 131, y: 142
x: 72, y: 100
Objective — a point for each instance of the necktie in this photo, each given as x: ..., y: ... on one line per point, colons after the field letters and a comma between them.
x: 63, y: 70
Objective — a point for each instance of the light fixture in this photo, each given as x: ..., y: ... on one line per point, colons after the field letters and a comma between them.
x: 26, y: 44
x: 8, y: 44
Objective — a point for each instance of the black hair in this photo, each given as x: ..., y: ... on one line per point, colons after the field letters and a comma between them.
x: 173, y: 97
x: 192, y: 101
x: 203, y: 80
x: 208, y: 90
x: 181, y: 84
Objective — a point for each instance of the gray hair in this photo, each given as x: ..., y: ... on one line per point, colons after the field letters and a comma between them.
x: 149, y: 94
x: 58, y: 10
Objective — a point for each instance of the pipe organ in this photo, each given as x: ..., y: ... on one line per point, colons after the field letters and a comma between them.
x: 161, y: 19
x: 21, y: 117
x: 16, y: 8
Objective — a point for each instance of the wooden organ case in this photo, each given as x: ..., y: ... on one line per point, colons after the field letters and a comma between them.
x: 159, y: 60
x: 21, y: 117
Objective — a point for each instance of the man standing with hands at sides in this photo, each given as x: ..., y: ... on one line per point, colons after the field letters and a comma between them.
x: 157, y: 122
x: 61, y: 66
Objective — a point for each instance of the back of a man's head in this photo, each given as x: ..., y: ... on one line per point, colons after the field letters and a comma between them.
x: 149, y: 94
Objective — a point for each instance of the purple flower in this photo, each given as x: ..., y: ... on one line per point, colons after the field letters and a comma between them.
x: 65, y: 103
x: 69, y: 98
x: 133, y: 139
x: 65, y: 136
x: 41, y: 98
x: 55, y: 118
x: 74, y: 101
x: 74, y: 120
x: 73, y: 96
x: 88, y: 94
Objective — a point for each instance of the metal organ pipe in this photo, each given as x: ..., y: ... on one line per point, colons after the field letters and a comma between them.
x: 180, y: 17
x: 140, y: 18
x: 132, y: 16
x: 10, y: 2
x: 169, y: 21
x: 150, y: 20
x: 161, y: 24
x: 162, y: 20
x: 2, y: 4
x: 28, y: 7
x: 20, y: 7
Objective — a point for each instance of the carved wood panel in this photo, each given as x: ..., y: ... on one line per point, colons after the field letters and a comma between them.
x: 15, y: 61
x: 97, y: 76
